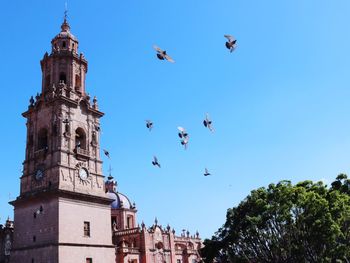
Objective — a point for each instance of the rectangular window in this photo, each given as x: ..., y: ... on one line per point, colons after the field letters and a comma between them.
x: 87, y: 231
x: 88, y: 260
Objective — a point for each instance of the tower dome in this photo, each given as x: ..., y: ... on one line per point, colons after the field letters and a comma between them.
x: 65, y: 40
x: 120, y: 200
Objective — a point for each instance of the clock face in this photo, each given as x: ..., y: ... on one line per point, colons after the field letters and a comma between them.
x: 39, y: 174
x: 83, y: 174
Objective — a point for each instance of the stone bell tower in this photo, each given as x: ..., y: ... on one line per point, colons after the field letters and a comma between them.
x: 62, y: 213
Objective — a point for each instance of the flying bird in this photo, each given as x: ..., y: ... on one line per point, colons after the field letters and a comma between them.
x: 231, y: 43
x: 161, y: 54
x: 182, y: 134
x: 107, y: 153
x: 208, y: 123
x: 184, y: 142
x: 206, y: 172
x: 155, y: 162
x: 149, y: 124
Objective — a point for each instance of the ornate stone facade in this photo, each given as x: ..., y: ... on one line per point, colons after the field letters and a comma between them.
x: 156, y: 244
x: 62, y: 213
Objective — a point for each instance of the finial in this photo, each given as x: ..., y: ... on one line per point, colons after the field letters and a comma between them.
x: 31, y: 101
x: 65, y: 11
x: 110, y: 171
x: 94, y: 103
x: 65, y: 26
x: 143, y: 224
x: 156, y: 221
x: 197, y: 234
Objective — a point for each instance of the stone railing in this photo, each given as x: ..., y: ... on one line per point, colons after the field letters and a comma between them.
x: 82, y: 152
x: 126, y: 231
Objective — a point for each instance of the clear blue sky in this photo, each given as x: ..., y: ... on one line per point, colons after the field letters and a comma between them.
x: 280, y: 102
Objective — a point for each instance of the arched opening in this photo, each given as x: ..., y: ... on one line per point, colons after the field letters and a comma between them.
x: 42, y: 139
x: 64, y: 44
x: 80, y: 139
x: 159, y: 245
x: 63, y: 78
x: 77, y: 82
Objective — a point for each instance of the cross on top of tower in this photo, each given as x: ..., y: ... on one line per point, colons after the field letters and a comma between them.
x: 65, y: 26
x: 110, y: 171
x: 65, y: 11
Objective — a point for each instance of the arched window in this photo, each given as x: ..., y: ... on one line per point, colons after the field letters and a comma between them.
x: 80, y: 139
x: 63, y: 77
x: 64, y: 44
x: 77, y: 82
x: 42, y: 139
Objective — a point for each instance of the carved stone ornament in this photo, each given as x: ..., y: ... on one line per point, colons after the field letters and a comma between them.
x: 83, y: 173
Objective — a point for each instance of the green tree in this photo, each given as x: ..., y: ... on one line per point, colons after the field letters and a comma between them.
x: 306, y: 222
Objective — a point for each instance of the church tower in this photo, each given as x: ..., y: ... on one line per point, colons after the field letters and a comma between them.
x: 62, y: 214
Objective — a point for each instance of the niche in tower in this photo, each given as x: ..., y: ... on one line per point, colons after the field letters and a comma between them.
x: 77, y: 83
x: 42, y: 139
x: 63, y: 78
x: 80, y: 139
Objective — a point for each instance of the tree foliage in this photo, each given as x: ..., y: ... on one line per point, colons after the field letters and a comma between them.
x: 306, y: 222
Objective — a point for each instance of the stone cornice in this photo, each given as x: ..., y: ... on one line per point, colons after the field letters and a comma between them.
x: 53, y: 193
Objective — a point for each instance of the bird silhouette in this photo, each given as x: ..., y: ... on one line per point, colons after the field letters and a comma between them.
x: 231, y: 43
x: 149, y: 124
x: 107, y: 153
x: 155, y: 161
x: 206, y: 172
x: 208, y: 123
x: 161, y: 54
x: 182, y: 134
x: 184, y: 142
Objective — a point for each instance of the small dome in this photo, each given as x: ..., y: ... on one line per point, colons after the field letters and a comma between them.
x: 65, y: 32
x: 120, y: 200
x: 124, y: 201
x: 115, y: 203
